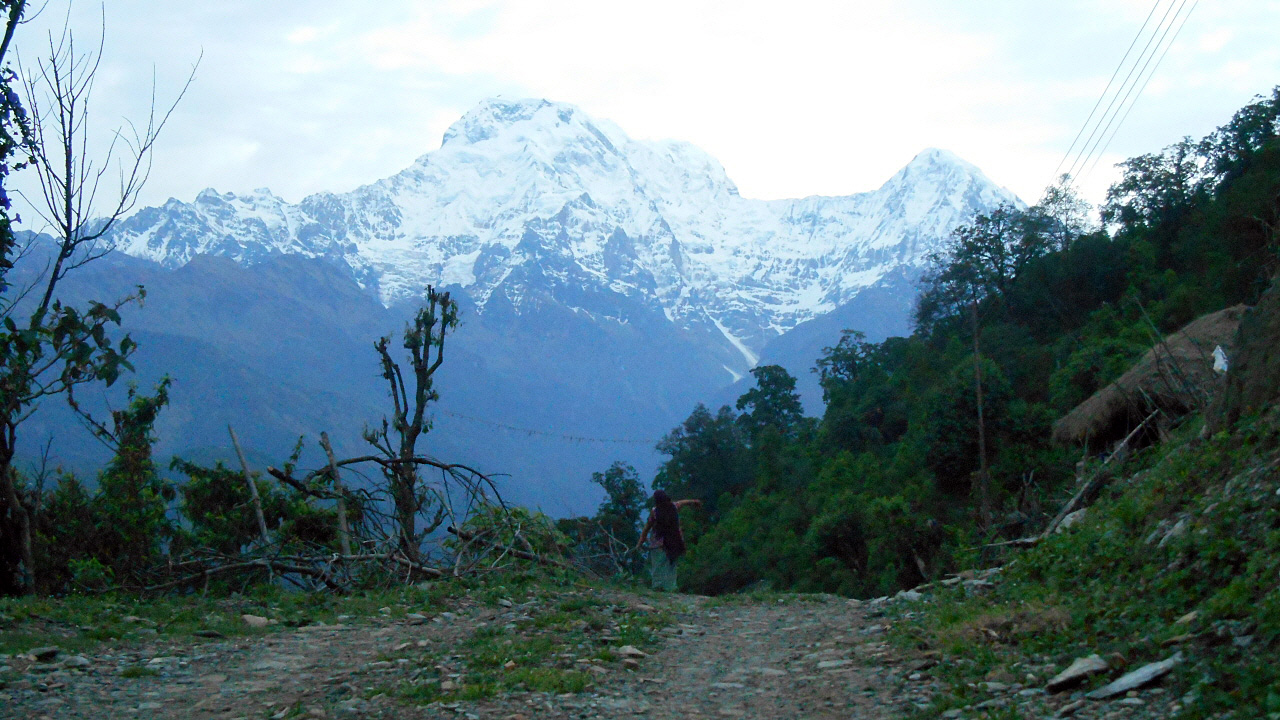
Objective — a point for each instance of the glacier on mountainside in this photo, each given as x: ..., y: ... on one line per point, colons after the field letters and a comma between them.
x: 537, y: 184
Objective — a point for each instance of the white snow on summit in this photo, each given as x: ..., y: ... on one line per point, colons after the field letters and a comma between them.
x: 540, y: 185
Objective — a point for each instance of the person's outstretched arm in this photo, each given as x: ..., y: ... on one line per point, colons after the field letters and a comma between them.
x: 692, y: 501
x: 644, y: 534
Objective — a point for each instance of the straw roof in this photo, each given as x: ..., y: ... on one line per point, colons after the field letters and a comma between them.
x: 1175, y: 376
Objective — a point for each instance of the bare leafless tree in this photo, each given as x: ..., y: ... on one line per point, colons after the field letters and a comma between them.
x: 48, y: 348
x: 83, y: 195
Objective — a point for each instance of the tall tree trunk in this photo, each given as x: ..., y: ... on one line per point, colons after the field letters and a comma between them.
x: 984, y: 476
x: 407, y: 509
x: 344, y: 530
x: 15, y: 527
x: 253, y: 488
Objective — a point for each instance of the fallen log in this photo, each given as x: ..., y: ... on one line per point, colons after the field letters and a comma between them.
x: 319, y: 567
x: 1091, y: 487
x: 265, y: 563
x: 507, y: 550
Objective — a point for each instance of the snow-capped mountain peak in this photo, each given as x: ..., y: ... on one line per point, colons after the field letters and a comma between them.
x: 529, y: 199
x: 529, y: 120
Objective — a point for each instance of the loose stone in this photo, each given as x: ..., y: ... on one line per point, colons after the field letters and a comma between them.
x: 1137, y: 678
x: 1077, y: 671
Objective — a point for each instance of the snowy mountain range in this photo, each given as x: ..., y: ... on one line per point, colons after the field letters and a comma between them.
x: 606, y: 286
x: 529, y: 199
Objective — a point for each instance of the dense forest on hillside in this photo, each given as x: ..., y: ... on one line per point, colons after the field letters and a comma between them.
x: 936, y: 447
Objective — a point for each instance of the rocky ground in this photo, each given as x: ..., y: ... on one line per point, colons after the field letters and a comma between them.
x: 578, y: 653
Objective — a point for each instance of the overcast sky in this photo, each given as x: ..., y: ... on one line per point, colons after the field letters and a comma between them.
x: 794, y: 98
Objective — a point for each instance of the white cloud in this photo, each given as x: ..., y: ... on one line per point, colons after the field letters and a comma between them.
x: 1215, y: 40
x: 802, y: 98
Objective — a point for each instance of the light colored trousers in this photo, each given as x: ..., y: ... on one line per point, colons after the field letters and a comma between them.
x: 662, y: 571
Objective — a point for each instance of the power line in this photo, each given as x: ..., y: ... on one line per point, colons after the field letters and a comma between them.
x: 1107, y: 89
x: 1083, y: 154
x: 1141, y: 72
x: 1108, y: 115
x: 1144, y: 84
x: 532, y: 432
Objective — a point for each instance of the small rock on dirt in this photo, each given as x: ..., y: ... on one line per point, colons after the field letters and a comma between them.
x: 631, y: 651
x: 977, y: 587
x: 1071, y: 519
x: 43, y: 654
x: 1069, y: 709
x: 256, y: 621
x: 1077, y: 671
x: 1137, y: 678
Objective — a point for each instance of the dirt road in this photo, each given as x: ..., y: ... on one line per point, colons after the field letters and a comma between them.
x: 789, y: 657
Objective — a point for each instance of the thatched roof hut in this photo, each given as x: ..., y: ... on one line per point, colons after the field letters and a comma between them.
x: 1176, y: 376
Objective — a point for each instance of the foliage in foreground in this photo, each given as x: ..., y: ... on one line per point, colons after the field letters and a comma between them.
x: 1182, y: 554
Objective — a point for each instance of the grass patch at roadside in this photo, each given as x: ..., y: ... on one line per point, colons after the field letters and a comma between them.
x: 561, y: 639
x: 1180, y: 554
x: 80, y: 623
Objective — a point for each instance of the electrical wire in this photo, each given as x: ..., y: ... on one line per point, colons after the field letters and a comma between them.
x: 1093, y: 152
x: 1108, y: 113
x: 1124, y: 117
x: 1107, y: 89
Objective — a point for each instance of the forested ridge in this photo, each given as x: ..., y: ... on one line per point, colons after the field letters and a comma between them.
x: 1028, y: 311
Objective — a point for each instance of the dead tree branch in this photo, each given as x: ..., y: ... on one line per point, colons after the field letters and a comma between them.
x: 1090, y: 488
x: 508, y: 550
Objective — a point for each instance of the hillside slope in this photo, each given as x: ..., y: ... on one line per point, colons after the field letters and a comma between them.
x: 1177, y: 561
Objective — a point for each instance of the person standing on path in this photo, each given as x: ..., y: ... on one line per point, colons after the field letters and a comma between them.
x: 666, y: 544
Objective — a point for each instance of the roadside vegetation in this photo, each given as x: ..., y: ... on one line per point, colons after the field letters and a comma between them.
x: 1181, y: 556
